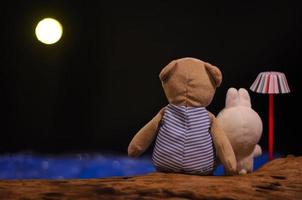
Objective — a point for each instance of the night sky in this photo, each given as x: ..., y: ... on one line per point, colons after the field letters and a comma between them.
x: 96, y: 87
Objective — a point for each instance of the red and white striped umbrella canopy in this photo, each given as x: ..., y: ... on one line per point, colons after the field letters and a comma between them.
x: 270, y: 83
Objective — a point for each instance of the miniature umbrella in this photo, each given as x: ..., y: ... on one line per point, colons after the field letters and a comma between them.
x: 270, y: 83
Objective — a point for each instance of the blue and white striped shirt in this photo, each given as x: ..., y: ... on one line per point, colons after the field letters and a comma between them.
x: 184, y: 143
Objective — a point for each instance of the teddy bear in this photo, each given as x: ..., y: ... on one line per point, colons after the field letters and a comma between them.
x: 188, y: 138
x: 243, y: 127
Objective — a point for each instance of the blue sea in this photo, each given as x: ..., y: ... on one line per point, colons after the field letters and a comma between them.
x: 80, y: 166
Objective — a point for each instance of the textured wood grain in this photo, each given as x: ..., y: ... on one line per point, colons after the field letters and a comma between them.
x: 278, y: 179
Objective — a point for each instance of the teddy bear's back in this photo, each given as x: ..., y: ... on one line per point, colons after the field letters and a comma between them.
x: 184, y: 143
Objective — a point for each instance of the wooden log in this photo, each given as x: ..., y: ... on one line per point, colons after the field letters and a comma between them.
x: 278, y: 179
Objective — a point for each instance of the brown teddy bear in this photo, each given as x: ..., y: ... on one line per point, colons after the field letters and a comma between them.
x: 188, y: 137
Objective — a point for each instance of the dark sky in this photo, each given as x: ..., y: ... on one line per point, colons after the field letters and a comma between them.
x: 95, y: 88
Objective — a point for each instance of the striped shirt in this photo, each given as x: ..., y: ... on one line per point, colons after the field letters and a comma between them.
x: 184, y: 143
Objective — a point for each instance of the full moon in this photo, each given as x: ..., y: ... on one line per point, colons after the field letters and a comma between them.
x: 49, y: 31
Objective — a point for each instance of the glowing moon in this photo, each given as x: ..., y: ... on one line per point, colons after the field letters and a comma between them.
x: 49, y: 31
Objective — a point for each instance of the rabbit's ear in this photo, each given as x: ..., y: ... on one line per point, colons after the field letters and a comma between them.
x: 232, y: 98
x: 244, y: 98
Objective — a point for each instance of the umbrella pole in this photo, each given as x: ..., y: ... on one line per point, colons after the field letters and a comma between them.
x: 271, y: 126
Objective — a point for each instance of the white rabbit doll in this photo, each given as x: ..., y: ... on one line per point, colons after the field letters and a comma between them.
x: 243, y: 127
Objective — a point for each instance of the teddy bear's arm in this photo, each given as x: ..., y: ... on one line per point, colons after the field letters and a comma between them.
x: 223, y: 147
x: 145, y: 136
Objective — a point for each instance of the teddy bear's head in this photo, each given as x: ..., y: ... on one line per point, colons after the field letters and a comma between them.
x: 190, y: 82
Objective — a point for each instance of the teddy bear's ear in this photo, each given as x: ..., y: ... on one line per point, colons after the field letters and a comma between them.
x: 215, y: 73
x: 244, y: 97
x: 232, y: 98
x: 167, y: 71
